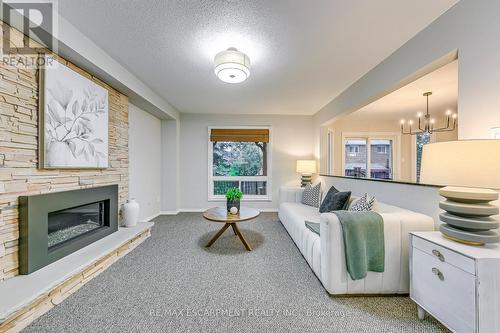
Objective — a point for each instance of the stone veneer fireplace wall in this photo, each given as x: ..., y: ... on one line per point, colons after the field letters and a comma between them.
x: 19, y: 173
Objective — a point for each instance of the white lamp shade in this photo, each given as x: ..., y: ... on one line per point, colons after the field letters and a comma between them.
x: 470, y: 163
x: 232, y: 66
x: 306, y: 166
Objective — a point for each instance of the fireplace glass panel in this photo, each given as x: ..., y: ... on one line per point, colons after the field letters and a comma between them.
x: 68, y: 224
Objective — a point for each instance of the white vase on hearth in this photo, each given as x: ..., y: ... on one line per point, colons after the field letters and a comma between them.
x: 130, y: 213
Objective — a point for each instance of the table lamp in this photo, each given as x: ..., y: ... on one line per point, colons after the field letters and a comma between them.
x: 306, y: 168
x: 471, y: 171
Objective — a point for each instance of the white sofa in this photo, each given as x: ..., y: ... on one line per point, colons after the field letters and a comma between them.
x: 325, y: 254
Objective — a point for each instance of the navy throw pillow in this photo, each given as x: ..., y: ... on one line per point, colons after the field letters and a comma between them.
x: 335, y: 200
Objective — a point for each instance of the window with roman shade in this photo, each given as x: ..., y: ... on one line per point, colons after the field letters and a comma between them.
x: 239, y: 157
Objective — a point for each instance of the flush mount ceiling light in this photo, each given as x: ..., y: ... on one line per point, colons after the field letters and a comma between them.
x: 232, y: 66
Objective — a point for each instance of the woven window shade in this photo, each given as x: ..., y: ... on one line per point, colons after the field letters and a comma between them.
x: 239, y: 135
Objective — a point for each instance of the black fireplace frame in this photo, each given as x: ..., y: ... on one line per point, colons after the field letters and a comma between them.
x: 34, y: 252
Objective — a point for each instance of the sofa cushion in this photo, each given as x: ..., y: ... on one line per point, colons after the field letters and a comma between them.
x: 335, y: 200
x: 311, y: 195
x: 300, y: 212
x: 293, y: 215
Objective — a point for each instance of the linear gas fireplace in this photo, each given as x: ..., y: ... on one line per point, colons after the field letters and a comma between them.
x: 54, y: 225
x: 67, y: 224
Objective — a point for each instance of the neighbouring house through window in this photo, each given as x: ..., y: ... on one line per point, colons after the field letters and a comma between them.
x: 369, y: 157
x: 239, y: 157
x: 354, y: 149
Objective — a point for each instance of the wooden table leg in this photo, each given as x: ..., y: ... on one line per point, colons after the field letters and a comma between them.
x: 218, y: 234
x: 234, y: 230
x: 240, y: 235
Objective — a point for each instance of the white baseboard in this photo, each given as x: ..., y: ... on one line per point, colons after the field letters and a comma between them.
x: 201, y: 210
x: 269, y: 210
x: 169, y: 212
x: 147, y: 219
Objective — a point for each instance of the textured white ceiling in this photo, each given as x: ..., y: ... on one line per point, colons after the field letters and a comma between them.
x: 303, y: 52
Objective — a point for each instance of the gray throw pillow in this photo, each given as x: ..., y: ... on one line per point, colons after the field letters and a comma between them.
x: 310, y: 196
x: 335, y: 200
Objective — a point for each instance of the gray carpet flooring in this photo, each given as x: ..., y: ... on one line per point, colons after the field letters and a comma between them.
x: 172, y: 283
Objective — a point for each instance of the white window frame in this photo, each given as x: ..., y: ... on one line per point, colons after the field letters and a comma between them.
x: 326, y: 151
x: 330, y: 161
x: 211, y: 178
x: 396, y: 149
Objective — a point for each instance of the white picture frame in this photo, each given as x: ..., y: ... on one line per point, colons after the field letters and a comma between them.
x: 73, y: 122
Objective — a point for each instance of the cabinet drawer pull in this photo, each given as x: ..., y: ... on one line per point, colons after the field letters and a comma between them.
x: 438, y: 255
x: 438, y: 273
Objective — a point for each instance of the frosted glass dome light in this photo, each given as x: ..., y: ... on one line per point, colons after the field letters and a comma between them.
x: 232, y: 66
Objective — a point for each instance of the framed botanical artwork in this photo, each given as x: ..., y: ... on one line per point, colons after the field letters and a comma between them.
x: 73, y: 120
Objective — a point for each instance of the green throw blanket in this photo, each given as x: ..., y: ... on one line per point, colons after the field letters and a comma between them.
x: 363, y: 241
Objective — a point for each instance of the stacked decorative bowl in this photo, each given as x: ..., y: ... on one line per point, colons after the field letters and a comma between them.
x: 469, y: 215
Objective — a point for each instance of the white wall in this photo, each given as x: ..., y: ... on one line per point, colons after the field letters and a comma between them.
x: 145, y: 160
x: 418, y: 198
x: 170, y: 177
x: 422, y: 199
x: 291, y: 139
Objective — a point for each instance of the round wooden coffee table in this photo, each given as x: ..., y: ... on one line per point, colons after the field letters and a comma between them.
x: 220, y: 214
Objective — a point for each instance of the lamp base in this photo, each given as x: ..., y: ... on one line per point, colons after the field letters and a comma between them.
x: 467, y: 219
x: 305, y: 179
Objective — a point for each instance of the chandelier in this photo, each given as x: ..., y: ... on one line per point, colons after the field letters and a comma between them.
x: 427, y: 125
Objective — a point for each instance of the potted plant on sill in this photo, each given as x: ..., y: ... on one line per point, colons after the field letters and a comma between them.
x: 233, y: 196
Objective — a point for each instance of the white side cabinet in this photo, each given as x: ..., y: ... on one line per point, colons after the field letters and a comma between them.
x: 457, y: 284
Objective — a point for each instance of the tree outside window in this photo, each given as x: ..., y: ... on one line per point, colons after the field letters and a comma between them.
x: 239, y: 162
